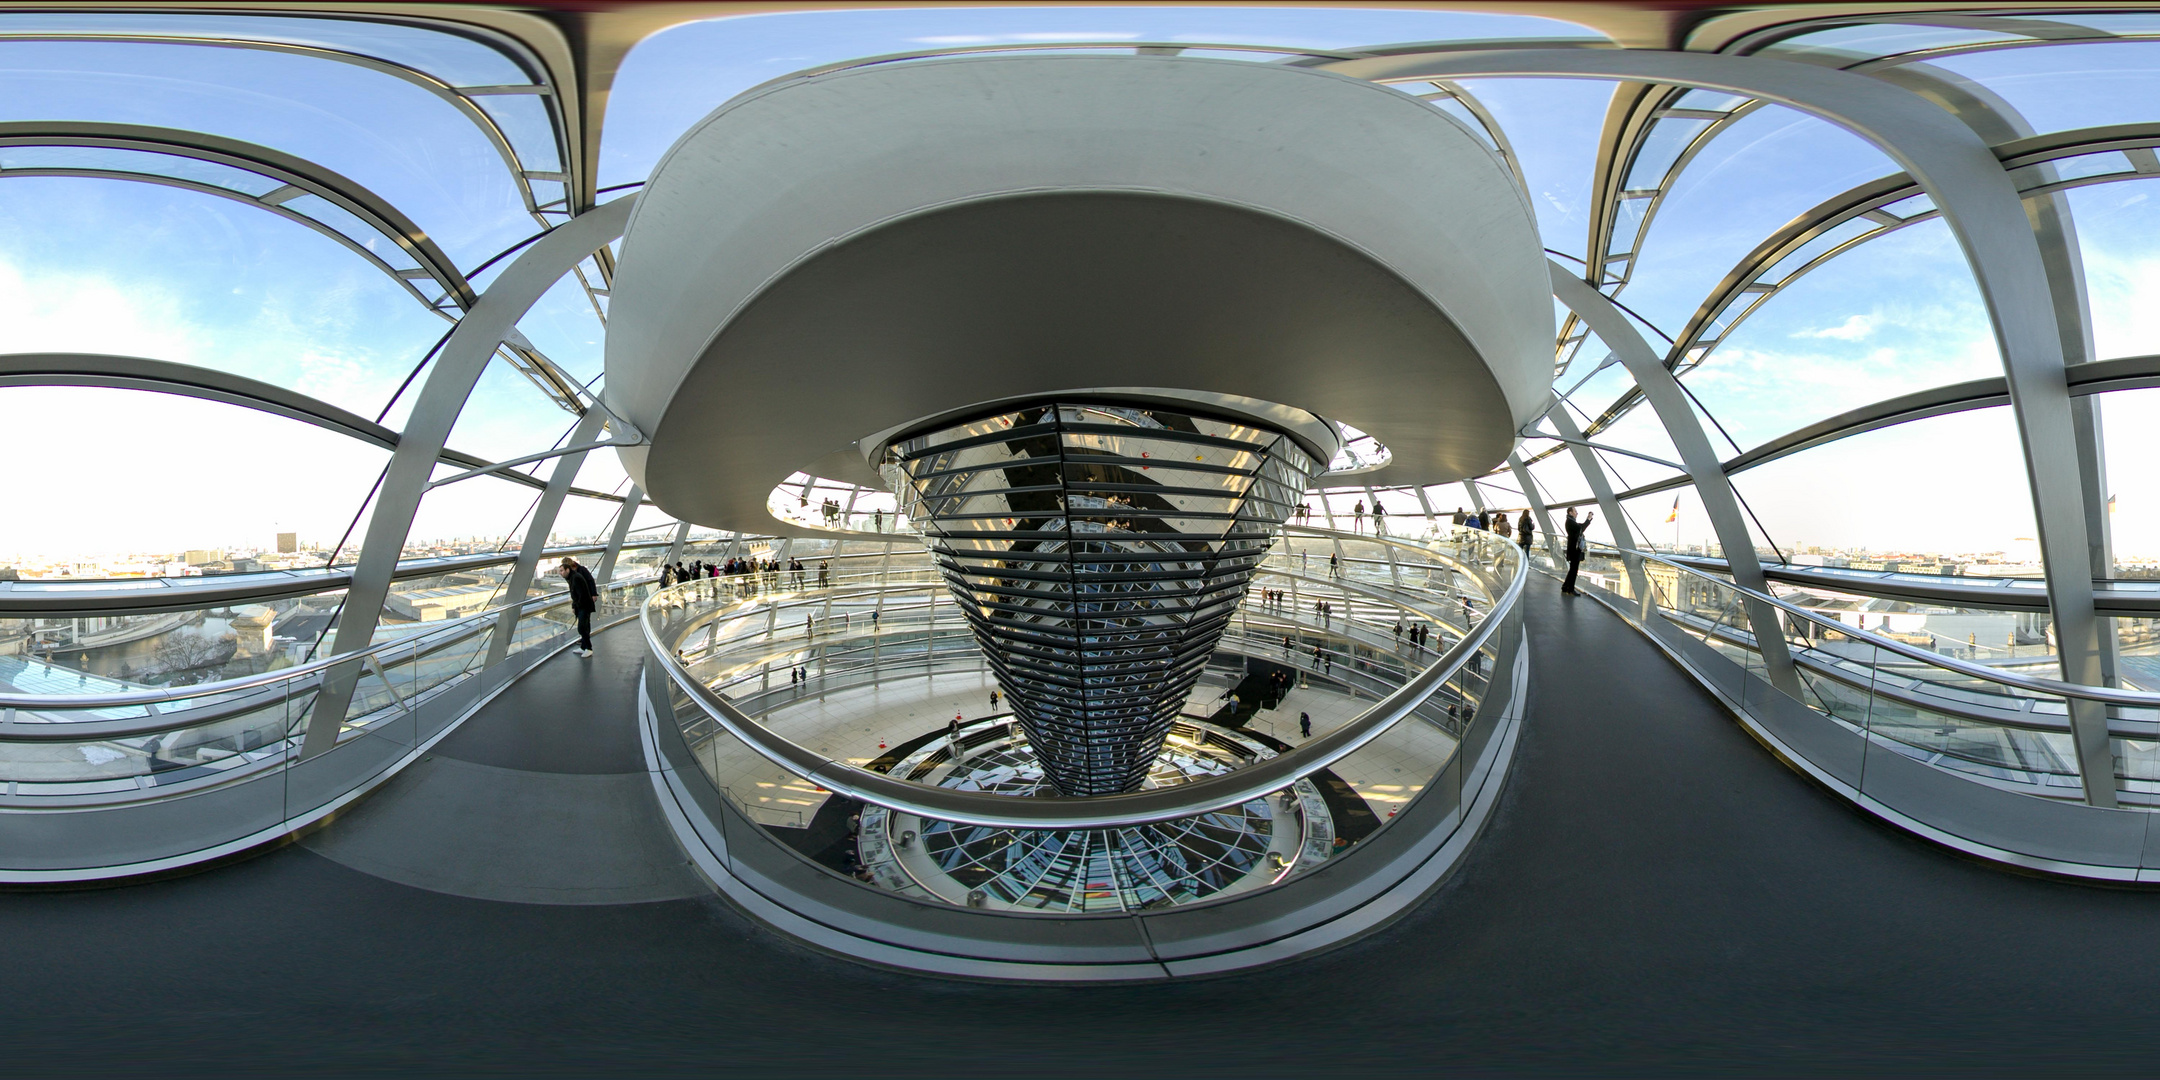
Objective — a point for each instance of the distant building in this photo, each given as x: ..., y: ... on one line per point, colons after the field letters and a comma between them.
x: 287, y: 543
x: 200, y: 556
x: 430, y: 605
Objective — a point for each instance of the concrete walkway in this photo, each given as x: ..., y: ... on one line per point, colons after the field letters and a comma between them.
x: 1657, y: 895
x: 540, y: 798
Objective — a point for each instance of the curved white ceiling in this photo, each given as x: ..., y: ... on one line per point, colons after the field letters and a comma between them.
x: 837, y: 255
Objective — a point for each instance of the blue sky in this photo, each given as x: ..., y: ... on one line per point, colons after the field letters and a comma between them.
x: 140, y: 269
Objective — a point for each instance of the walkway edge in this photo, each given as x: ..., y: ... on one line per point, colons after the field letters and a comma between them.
x: 286, y: 828
x: 1409, y: 878
x: 1793, y: 759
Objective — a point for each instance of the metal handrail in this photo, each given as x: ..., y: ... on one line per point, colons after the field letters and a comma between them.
x: 1982, y: 672
x: 1097, y: 812
x: 61, y: 702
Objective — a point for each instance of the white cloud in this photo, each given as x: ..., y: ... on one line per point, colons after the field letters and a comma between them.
x: 2124, y: 293
x: 61, y: 312
x: 1852, y: 329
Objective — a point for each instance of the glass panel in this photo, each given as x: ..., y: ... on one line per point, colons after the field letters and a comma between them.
x: 2138, y: 643
x: 382, y: 247
x: 2076, y: 168
x: 1714, y: 100
x: 1814, y: 249
x: 1895, y: 315
x: 563, y: 327
x: 1552, y: 124
x: 1640, y: 430
x: 1764, y: 170
x: 483, y: 514
x: 1558, y: 480
x: 156, y: 484
x: 2060, y: 87
x: 1673, y: 522
x: 2117, y: 224
x: 401, y: 142
x: 1593, y: 386
x: 133, y: 269
x: 1913, y: 206
x: 584, y: 521
x: 1882, y: 39
x: 508, y: 416
x: 110, y: 159
x: 454, y: 58
x: 113, y: 654
x: 1663, y: 146
x: 524, y: 120
x: 2130, y: 423
x: 1843, y: 500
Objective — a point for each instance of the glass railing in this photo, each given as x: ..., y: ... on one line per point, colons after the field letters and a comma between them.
x: 132, y: 741
x: 1984, y: 721
x: 734, y: 655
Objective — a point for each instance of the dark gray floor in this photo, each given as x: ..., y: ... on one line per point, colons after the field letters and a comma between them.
x: 1656, y: 895
x: 540, y: 798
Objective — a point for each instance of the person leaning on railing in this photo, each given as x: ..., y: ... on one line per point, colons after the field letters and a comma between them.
x: 584, y: 597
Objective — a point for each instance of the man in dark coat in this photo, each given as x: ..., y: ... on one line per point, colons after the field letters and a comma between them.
x: 1574, y: 548
x: 584, y: 597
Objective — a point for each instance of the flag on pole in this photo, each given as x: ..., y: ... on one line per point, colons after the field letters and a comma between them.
x: 1675, y: 515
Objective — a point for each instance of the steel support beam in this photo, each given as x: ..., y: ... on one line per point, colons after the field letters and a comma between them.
x: 1999, y: 123
x: 464, y: 356
x: 674, y: 551
x: 1662, y: 390
x: 1537, y: 504
x: 1983, y: 209
x: 536, y: 534
x: 630, y: 505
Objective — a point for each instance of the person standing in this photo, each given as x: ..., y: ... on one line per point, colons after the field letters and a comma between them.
x: 1500, y: 526
x: 584, y: 597
x: 1574, y: 548
x: 1357, y: 517
x: 1460, y: 517
x: 1379, y: 518
x: 1304, y: 725
x: 1525, y: 526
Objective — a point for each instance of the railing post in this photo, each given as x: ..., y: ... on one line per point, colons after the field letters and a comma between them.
x: 630, y: 505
